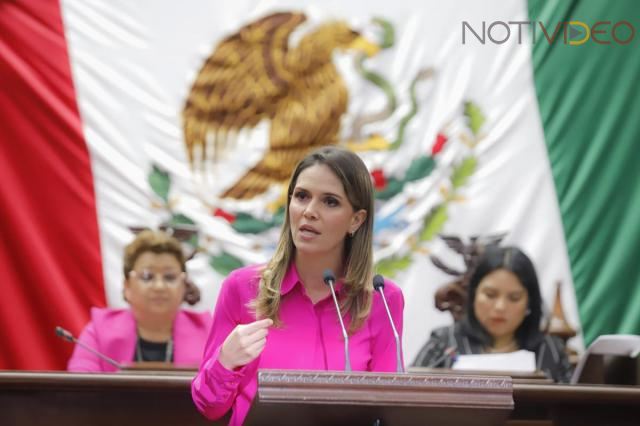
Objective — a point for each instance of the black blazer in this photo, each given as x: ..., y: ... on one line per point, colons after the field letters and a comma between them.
x: 438, y: 352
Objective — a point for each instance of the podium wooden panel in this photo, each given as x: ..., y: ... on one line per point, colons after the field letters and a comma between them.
x: 69, y: 399
x: 569, y: 405
x: 337, y: 398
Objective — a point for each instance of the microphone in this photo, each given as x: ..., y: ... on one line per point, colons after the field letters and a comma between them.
x: 450, y: 352
x: 66, y: 335
x: 330, y: 280
x: 378, y: 285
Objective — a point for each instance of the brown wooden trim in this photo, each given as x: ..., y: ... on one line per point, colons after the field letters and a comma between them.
x: 389, y: 388
x: 580, y: 394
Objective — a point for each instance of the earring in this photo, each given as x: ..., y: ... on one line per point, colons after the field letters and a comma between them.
x: 528, y: 311
x: 351, y: 234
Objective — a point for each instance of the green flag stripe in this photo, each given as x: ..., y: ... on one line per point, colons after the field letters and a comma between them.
x: 590, y: 109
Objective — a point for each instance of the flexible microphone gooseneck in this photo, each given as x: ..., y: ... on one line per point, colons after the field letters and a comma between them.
x: 449, y: 352
x: 378, y: 285
x: 330, y: 280
x: 66, y: 335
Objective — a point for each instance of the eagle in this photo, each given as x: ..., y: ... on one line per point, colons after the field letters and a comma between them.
x: 253, y: 75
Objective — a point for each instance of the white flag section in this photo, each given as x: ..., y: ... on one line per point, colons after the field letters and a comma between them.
x: 460, y: 153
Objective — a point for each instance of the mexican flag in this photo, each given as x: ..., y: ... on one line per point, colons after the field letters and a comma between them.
x: 480, y: 121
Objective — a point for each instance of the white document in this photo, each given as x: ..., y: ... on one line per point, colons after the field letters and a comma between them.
x: 518, y: 361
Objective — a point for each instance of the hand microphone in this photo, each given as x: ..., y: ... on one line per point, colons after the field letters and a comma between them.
x: 66, y: 335
x: 330, y: 280
x: 378, y: 285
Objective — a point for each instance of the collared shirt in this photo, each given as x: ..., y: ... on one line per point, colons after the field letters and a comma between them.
x: 112, y: 332
x: 310, y: 338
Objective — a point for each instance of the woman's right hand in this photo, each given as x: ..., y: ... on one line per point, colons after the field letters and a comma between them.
x: 244, y: 344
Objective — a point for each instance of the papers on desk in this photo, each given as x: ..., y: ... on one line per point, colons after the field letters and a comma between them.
x: 519, y: 361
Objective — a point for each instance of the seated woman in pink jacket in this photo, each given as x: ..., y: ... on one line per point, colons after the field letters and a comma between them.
x: 282, y: 315
x: 155, y: 328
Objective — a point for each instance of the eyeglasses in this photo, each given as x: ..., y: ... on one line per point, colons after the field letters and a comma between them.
x: 147, y: 278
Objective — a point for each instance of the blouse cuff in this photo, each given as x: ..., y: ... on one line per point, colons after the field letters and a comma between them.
x: 228, y: 379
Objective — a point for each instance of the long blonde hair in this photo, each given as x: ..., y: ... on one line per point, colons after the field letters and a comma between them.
x: 358, y: 259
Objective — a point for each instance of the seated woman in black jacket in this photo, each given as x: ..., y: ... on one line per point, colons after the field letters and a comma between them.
x: 503, y: 314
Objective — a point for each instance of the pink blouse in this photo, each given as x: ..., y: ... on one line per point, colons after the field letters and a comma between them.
x: 310, y: 338
x: 112, y: 332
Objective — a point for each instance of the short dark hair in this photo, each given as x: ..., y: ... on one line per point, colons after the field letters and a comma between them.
x: 159, y: 242
x: 528, y: 334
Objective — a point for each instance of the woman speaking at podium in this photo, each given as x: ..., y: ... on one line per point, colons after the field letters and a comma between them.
x: 155, y: 328
x: 282, y: 315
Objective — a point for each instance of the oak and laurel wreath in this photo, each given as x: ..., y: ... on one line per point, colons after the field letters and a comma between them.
x: 420, y: 168
x: 160, y: 182
x: 385, y: 189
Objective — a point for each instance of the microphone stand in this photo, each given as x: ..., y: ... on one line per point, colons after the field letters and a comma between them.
x: 330, y: 279
x: 66, y: 335
x: 449, y: 352
x: 378, y: 284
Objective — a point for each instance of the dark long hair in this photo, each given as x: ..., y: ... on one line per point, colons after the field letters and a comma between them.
x: 528, y: 334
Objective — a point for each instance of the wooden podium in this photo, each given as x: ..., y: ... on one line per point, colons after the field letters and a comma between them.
x: 288, y: 397
x: 37, y: 398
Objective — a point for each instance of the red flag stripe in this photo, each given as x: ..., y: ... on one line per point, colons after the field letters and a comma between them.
x: 50, y: 262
